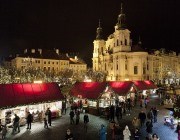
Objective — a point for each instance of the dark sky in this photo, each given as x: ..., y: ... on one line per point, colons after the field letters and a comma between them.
x: 70, y: 25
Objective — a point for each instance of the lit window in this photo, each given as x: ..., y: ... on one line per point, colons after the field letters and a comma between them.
x: 135, y: 69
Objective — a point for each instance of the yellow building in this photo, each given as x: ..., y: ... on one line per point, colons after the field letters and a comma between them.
x: 47, y: 60
x: 122, y: 61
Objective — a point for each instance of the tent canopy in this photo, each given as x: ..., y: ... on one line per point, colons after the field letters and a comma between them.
x: 144, y: 85
x: 12, y: 95
x: 121, y: 88
x: 89, y: 90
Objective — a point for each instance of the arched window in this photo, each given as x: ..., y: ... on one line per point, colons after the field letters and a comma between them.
x: 135, y: 69
x: 125, y: 41
x: 117, y: 42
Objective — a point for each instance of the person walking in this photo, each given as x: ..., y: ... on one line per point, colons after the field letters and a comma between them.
x: 117, y: 113
x: 136, y: 123
x: 102, y: 132
x: 112, y: 112
x: 142, y: 117
x: 4, y: 132
x: 126, y: 133
x: 155, y: 137
x: 45, y: 123
x: 86, y: 120
x: 137, y: 134
x: 69, y: 135
x: 155, y: 112
x: 71, y: 117
x: 150, y: 115
x: 29, y: 120
x: 49, y: 115
x: 149, y: 127
x: 117, y: 132
x: 16, y: 123
x: 77, y: 116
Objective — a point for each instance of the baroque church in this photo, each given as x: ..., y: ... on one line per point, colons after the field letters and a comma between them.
x: 121, y: 61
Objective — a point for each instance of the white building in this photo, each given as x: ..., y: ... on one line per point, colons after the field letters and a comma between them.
x: 121, y: 61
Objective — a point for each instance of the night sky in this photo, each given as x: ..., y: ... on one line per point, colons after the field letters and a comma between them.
x: 70, y: 25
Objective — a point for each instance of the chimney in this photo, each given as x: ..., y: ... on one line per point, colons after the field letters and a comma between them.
x: 32, y: 50
x: 40, y: 51
x: 57, y: 51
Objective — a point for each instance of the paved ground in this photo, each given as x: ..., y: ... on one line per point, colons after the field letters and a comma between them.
x: 59, y: 126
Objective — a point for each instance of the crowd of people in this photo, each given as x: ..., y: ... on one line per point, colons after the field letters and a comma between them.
x: 29, y: 119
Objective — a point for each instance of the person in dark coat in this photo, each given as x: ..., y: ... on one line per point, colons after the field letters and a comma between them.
x: 155, y: 112
x: 150, y: 115
x: 112, y: 112
x: 29, y: 120
x: 49, y: 115
x: 71, y: 114
x: 149, y: 127
x: 137, y: 134
x: 117, y: 132
x: 69, y: 135
x: 86, y: 120
x: 117, y: 112
x: 16, y: 123
x: 142, y: 117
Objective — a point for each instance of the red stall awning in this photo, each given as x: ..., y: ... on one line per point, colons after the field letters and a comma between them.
x: 121, y: 88
x: 144, y: 85
x: 12, y: 95
x: 89, y: 90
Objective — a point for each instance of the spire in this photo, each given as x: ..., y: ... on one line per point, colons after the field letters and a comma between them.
x: 121, y: 19
x: 139, y: 42
x: 99, y: 32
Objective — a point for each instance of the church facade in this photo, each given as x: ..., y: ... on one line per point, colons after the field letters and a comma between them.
x: 122, y: 61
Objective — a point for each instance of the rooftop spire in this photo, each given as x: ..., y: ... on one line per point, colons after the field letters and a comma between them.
x: 121, y: 19
x: 99, y: 31
x: 139, y: 42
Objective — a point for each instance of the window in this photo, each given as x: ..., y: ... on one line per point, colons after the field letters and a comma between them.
x: 125, y: 41
x: 52, y: 62
x: 48, y: 62
x: 117, y: 42
x: 57, y: 63
x: 117, y: 67
x: 125, y: 66
x: 144, y: 70
x: 48, y: 68
x: 44, y: 62
x: 147, y: 66
x: 105, y: 67
x: 135, y: 69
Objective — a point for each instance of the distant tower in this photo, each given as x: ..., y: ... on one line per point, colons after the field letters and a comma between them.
x: 99, y: 48
x: 121, y: 20
x: 99, y: 32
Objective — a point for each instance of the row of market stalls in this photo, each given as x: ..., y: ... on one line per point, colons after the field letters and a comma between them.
x: 96, y: 96
x: 30, y: 97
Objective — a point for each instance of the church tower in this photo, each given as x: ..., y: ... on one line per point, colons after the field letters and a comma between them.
x: 122, y: 41
x: 99, y: 49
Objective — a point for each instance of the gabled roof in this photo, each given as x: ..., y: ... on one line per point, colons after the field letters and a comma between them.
x: 144, y: 85
x: 12, y: 95
x: 89, y: 90
x: 121, y: 88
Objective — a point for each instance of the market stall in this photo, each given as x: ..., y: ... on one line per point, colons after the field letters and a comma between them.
x: 145, y: 88
x: 34, y: 98
x: 89, y: 93
x: 124, y: 90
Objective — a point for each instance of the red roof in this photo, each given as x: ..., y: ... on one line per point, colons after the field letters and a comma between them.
x: 20, y: 94
x: 121, y: 88
x: 89, y: 90
x: 150, y: 84
x: 144, y: 85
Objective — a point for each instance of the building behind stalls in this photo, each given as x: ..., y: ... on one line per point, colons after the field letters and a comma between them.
x: 123, y: 61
